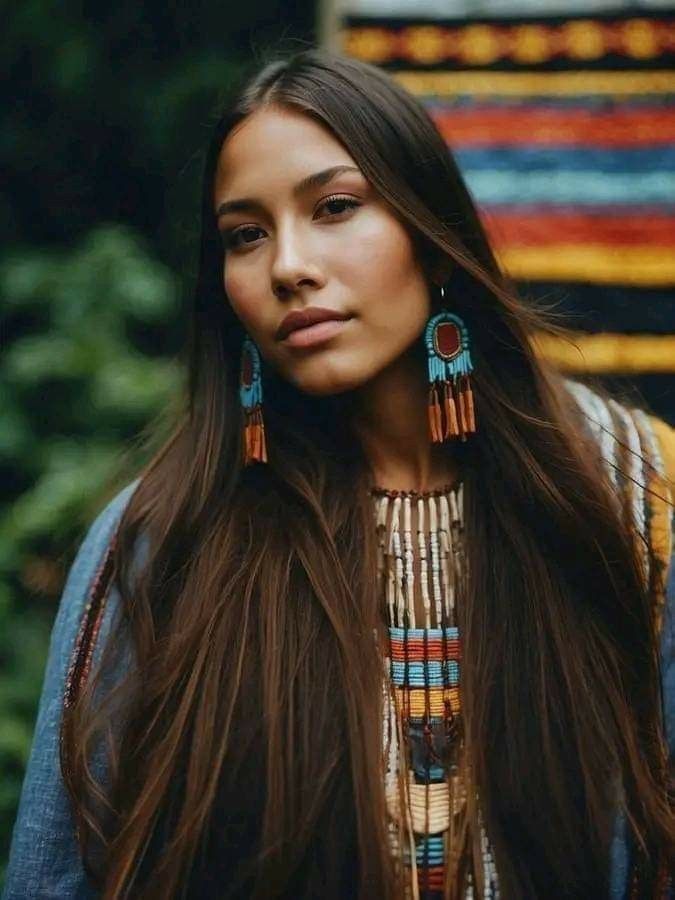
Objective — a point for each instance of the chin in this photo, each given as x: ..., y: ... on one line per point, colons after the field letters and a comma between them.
x: 324, y: 382
x: 323, y: 388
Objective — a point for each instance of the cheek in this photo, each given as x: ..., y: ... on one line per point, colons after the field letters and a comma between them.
x: 241, y: 293
x: 383, y: 256
x: 386, y: 274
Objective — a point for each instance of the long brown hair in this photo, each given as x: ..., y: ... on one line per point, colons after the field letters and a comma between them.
x: 249, y: 718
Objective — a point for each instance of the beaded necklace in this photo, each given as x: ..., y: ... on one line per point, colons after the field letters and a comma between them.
x: 423, y: 738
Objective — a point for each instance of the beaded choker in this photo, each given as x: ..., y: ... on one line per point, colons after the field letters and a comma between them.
x: 377, y: 491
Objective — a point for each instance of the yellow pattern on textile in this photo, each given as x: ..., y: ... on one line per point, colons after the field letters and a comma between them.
x: 527, y: 43
x: 637, y: 266
x: 375, y: 45
x: 604, y: 354
x: 660, y: 497
x: 584, y: 40
x: 665, y: 435
x: 478, y: 45
x: 416, y: 699
x: 531, y: 44
x: 494, y: 84
x: 641, y: 39
x: 424, y: 44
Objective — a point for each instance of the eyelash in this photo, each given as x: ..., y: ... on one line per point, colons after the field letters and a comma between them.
x: 230, y: 237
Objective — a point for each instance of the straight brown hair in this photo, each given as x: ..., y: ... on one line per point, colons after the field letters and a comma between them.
x: 248, y: 720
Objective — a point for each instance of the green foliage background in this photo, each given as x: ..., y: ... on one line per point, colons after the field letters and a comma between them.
x: 105, y: 113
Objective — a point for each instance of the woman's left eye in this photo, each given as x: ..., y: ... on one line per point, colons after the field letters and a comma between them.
x: 339, y: 204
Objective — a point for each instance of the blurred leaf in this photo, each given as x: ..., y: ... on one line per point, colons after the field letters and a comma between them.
x: 26, y: 279
x: 73, y: 472
x: 14, y: 434
x: 135, y: 385
x: 40, y: 357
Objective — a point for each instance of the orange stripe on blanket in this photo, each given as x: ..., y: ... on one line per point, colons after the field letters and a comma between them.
x: 556, y: 127
x: 520, y: 229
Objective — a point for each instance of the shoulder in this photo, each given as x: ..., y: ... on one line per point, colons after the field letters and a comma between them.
x: 98, y: 535
x: 638, y: 452
x: 107, y: 520
x: 84, y: 571
x: 612, y: 423
x: 44, y: 858
x: 96, y: 539
x: 665, y: 435
x: 632, y: 443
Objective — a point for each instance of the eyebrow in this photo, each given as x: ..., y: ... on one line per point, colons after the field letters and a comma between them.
x: 317, y: 179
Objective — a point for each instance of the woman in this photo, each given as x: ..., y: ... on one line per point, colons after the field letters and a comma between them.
x: 254, y: 674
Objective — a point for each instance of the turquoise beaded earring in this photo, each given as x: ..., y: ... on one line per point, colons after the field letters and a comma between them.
x: 250, y: 395
x: 450, y: 408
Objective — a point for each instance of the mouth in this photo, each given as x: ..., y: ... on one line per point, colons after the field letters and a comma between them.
x: 318, y: 333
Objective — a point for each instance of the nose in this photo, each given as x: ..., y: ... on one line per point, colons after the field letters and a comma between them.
x: 292, y: 266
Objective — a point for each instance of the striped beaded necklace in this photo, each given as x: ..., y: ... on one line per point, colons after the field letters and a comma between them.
x: 420, y: 563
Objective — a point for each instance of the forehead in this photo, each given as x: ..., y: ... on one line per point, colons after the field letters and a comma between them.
x: 274, y: 146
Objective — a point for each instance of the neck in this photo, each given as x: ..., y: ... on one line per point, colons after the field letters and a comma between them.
x: 391, y: 423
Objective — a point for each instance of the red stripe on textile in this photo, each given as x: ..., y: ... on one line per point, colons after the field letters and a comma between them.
x: 434, y: 878
x: 83, y: 651
x: 416, y: 650
x: 556, y: 127
x: 537, y: 229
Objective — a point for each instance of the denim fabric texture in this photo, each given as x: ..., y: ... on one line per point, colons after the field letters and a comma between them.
x: 44, y: 859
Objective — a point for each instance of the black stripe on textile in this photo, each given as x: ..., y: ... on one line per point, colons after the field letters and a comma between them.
x: 654, y: 393
x: 597, y: 308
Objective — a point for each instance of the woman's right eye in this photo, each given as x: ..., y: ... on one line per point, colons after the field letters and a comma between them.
x: 237, y: 237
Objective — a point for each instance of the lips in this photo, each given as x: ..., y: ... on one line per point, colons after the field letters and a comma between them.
x: 306, y: 317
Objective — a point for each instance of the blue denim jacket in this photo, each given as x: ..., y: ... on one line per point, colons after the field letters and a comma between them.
x: 44, y: 860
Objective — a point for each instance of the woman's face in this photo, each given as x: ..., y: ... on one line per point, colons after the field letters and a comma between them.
x: 331, y: 242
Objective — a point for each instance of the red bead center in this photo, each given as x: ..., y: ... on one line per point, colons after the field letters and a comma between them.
x: 448, y: 340
x: 246, y: 369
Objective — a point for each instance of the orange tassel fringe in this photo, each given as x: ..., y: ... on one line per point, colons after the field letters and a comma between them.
x: 451, y: 410
x: 255, y: 446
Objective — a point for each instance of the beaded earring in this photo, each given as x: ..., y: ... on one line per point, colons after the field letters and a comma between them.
x: 451, y: 410
x: 250, y: 394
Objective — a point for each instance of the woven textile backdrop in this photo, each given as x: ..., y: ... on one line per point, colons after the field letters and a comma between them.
x: 564, y: 127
